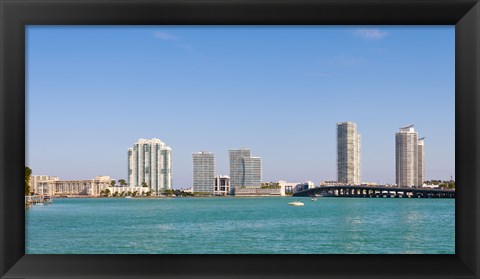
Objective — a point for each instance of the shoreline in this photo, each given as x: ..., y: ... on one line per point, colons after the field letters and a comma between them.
x: 162, y: 197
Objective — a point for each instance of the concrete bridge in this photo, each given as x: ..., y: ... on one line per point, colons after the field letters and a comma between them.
x: 376, y: 192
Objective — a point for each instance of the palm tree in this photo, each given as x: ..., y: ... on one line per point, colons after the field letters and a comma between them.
x: 28, y: 173
x: 112, y: 183
x: 144, y: 184
x: 122, y: 182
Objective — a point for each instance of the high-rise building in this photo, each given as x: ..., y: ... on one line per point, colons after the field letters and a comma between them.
x: 409, y: 165
x: 421, y: 161
x: 236, y: 166
x: 252, y: 171
x: 245, y: 171
x: 348, y: 153
x: 150, y: 161
x: 203, y: 172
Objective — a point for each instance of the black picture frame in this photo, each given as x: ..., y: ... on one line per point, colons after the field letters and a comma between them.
x: 16, y: 14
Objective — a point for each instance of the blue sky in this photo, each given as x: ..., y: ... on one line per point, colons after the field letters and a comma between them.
x: 278, y: 90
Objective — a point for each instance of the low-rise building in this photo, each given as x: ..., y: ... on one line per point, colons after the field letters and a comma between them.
x: 89, y: 187
x: 222, y: 185
x: 293, y: 187
x: 34, y: 183
x: 127, y: 190
x: 287, y: 187
x: 257, y: 192
x: 303, y: 186
x: 280, y: 188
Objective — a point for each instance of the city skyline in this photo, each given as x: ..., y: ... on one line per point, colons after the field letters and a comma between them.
x: 277, y: 90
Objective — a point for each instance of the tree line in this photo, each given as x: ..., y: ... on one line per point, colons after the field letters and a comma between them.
x: 445, y: 184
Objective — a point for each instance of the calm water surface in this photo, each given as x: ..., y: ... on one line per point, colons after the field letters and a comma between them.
x: 242, y: 225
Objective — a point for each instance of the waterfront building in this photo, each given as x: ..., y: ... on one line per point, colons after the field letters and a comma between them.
x: 258, y: 191
x: 203, y: 172
x: 125, y: 190
x: 348, y: 153
x: 252, y: 171
x: 236, y: 166
x: 265, y: 189
x: 287, y: 186
x: 303, y: 186
x: 150, y: 161
x: 38, y: 189
x: 222, y: 185
x: 409, y: 159
x: 245, y: 171
x: 89, y: 187
x: 421, y: 161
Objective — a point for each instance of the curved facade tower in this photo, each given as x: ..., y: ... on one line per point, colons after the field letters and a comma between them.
x: 245, y: 171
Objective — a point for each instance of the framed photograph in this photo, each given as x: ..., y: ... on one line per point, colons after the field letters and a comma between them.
x: 345, y: 94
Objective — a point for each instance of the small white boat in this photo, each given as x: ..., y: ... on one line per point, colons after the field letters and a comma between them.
x: 314, y: 199
x: 296, y: 203
x: 128, y: 197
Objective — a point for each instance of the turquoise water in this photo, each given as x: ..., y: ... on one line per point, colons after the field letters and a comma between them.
x: 242, y: 225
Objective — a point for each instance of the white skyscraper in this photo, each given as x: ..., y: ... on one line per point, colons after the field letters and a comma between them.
x: 421, y: 161
x: 409, y: 157
x: 150, y: 161
x: 245, y: 171
x: 348, y: 153
x: 203, y: 172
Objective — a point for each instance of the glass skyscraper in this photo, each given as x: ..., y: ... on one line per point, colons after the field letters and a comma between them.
x: 348, y: 153
x: 245, y: 171
x: 203, y: 172
x: 150, y: 161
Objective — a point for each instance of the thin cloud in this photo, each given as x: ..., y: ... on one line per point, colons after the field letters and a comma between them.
x: 377, y: 50
x: 187, y: 48
x: 162, y: 35
x: 370, y: 33
x: 317, y: 74
x: 349, y: 60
